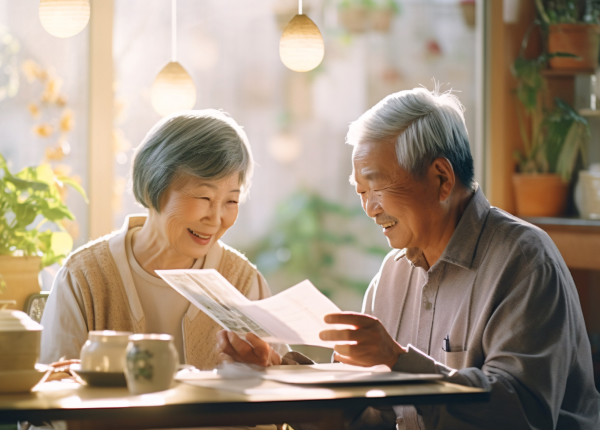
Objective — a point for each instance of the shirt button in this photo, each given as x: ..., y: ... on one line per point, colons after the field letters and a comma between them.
x: 427, y: 305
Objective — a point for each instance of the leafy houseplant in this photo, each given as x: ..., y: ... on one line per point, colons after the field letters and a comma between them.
x: 573, y: 27
x: 553, y: 139
x: 29, y: 200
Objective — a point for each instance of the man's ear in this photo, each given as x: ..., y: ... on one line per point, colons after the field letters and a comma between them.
x: 441, y: 170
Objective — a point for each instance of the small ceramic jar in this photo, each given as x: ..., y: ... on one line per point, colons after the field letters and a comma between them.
x: 19, y: 340
x: 104, y: 351
x: 151, y: 363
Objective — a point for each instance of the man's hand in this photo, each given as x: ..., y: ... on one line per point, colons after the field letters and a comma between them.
x: 373, y: 343
x: 255, y: 351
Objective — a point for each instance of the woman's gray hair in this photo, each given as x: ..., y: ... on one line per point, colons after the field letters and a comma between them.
x: 207, y: 144
x: 424, y: 125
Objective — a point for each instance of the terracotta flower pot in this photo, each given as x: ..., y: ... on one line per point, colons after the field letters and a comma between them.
x: 353, y: 18
x: 467, y: 8
x: 540, y: 194
x: 381, y: 19
x: 21, y: 277
x: 582, y: 40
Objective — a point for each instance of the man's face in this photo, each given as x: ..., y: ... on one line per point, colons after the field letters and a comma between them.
x: 404, y: 206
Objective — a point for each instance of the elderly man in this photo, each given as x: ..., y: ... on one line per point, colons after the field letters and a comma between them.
x: 469, y: 292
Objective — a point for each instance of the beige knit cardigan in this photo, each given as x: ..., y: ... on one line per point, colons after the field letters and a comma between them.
x: 107, y: 307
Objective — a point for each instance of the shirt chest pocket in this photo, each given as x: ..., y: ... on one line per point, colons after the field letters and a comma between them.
x: 455, y: 359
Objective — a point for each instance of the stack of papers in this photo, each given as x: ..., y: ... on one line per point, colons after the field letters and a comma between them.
x: 276, y: 379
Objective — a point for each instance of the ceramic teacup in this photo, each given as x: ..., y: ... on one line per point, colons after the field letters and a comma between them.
x: 151, y: 362
x: 104, y: 351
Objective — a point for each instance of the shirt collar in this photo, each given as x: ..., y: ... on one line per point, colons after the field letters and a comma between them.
x: 414, y: 256
x: 463, y: 243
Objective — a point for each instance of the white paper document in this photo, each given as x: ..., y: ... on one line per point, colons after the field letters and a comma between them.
x: 294, y: 316
x: 283, y: 380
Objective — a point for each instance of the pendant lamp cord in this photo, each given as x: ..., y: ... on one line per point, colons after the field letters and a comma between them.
x: 299, y: 7
x: 174, y: 30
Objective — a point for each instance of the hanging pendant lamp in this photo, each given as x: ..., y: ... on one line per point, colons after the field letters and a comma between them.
x: 173, y: 88
x: 64, y: 18
x: 301, y: 47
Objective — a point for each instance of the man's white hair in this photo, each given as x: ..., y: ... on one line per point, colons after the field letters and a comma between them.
x: 424, y: 125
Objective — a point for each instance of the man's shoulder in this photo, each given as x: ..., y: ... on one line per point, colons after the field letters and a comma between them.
x: 512, y: 238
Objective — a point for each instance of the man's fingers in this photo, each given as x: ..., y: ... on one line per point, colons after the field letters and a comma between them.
x: 344, y: 359
x: 351, y: 318
x: 343, y: 335
x: 348, y: 350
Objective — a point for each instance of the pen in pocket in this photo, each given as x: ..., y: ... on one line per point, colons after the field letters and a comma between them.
x: 446, y: 343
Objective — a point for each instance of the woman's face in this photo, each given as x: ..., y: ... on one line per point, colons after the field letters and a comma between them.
x: 195, y: 213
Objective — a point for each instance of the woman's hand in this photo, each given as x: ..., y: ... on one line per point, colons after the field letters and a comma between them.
x: 254, y: 351
x: 59, y: 370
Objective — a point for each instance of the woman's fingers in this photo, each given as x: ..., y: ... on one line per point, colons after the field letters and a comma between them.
x: 226, y: 358
x: 223, y: 343
x: 263, y: 350
x: 62, y: 363
x: 260, y: 346
x: 241, y: 346
x: 245, y: 352
x: 253, y: 350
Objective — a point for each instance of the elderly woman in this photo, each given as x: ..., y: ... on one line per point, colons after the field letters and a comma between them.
x: 191, y: 171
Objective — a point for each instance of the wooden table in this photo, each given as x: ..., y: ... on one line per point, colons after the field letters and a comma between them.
x: 190, y: 406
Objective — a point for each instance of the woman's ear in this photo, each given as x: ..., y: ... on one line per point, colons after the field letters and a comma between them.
x: 441, y: 169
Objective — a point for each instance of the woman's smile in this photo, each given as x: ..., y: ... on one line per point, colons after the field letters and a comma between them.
x: 199, y: 238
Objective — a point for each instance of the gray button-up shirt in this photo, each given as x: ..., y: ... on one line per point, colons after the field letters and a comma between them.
x: 498, y: 310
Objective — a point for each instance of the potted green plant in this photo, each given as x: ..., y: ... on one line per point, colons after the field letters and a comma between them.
x: 573, y: 27
x: 467, y: 7
x: 31, y: 234
x: 553, y: 139
x: 381, y: 14
x: 353, y: 15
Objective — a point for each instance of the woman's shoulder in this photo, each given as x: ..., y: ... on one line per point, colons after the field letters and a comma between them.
x: 97, y: 249
x: 237, y: 269
x: 235, y: 256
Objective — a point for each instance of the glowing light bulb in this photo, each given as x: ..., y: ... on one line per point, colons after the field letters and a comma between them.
x: 64, y: 18
x: 173, y: 89
x: 301, y: 47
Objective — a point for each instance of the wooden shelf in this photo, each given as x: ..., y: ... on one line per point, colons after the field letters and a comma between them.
x: 589, y: 112
x: 578, y: 240
x: 564, y: 73
x: 579, y: 222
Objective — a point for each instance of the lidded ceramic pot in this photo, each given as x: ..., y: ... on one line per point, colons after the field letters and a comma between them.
x: 20, y: 338
x: 104, y: 351
x: 151, y: 363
